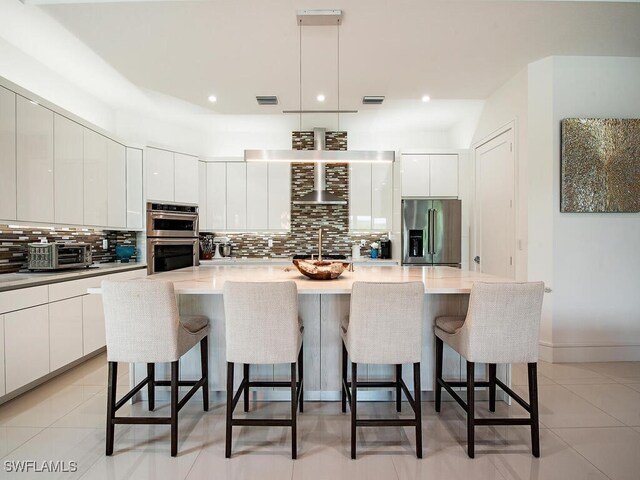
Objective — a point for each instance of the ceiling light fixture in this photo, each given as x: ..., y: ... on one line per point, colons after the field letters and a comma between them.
x: 320, y: 97
x: 426, y: 98
x: 212, y: 98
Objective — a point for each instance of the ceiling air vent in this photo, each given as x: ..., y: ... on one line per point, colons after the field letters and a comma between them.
x: 267, y: 100
x: 372, y: 100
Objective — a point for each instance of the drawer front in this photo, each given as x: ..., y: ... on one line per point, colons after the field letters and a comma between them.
x: 128, y: 275
x: 23, y: 298
x: 73, y: 288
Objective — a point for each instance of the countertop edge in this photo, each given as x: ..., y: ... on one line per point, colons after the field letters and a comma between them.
x: 68, y: 276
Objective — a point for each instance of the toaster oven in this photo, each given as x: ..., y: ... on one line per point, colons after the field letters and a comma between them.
x: 57, y: 256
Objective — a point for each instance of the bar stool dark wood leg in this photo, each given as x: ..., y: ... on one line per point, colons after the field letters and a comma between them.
x: 174, y: 407
x: 398, y: 388
x: 245, y: 374
x: 354, y: 407
x: 227, y: 447
x: 418, y: 408
x: 111, y: 405
x: 438, y: 386
x: 204, y: 364
x: 492, y: 387
x: 343, y: 392
x: 301, y: 377
x: 151, y: 388
x: 533, y: 404
x: 294, y: 411
x: 471, y: 409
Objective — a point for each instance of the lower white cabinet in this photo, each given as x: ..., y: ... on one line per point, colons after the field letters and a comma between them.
x: 2, y: 386
x: 27, y: 346
x: 65, y: 332
x: 94, y: 336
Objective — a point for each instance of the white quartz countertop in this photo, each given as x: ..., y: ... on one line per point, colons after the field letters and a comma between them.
x: 14, y: 281
x: 210, y: 280
x: 243, y: 261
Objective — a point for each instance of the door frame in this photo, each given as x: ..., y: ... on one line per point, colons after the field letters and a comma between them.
x: 475, y: 242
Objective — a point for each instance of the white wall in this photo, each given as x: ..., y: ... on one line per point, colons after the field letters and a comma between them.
x: 596, y: 264
x: 509, y: 106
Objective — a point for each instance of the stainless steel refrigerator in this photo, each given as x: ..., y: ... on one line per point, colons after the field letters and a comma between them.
x: 431, y: 232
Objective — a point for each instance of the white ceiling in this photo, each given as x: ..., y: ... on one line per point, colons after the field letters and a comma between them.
x: 398, y: 48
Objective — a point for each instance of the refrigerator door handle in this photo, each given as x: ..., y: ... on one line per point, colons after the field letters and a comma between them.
x: 434, y: 217
x: 432, y: 230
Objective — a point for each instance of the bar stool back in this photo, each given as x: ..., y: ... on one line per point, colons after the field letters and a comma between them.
x: 142, y: 324
x: 262, y: 327
x: 384, y: 327
x: 501, y: 326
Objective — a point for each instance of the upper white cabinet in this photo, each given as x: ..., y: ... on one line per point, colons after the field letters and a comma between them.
x: 370, y: 196
x: 216, y: 196
x: 279, y: 191
x: 7, y: 155
x: 35, y: 200
x: 95, y: 179
x: 426, y: 175
x: 202, y: 195
x: 68, y: 155
x: 160, y: 175
x: 257, y: 196
x: 116, y: 185
x: 186, y: 181
x: 135, y: 202
x: 236, y: 196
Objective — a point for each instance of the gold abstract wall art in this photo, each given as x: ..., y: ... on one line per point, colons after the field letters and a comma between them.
x: 600, y: 165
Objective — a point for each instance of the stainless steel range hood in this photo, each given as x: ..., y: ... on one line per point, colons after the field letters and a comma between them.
x: 320, y: 157
x: 319, y: 194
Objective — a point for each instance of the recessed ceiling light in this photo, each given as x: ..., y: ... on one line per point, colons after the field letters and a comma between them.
x: 320, y: 97
x: 212, y: 98
x: 426, y: 98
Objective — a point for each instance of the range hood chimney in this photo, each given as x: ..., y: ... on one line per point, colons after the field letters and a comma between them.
x: 319, y: 195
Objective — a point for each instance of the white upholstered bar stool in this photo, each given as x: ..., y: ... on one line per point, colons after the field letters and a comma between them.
x: 501, y: 326
x: 262, y: 327
x: 143, y: 326
x: 384, y: 327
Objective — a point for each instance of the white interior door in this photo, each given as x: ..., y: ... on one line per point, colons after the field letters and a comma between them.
x: 495, y: 191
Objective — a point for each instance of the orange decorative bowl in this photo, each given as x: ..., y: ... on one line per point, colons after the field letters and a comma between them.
x: 320, y: 270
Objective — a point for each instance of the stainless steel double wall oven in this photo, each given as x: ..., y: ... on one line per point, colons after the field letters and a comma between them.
x: 172, y: 236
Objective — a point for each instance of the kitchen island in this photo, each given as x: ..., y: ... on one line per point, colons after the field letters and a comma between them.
x: 322, y: 305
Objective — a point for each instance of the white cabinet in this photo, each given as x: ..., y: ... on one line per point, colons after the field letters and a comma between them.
x: 236, y: 196
x: 360, y: 196
x: 93, y: 332
x: 34, y: 151
x: 160, y: 175
x: 65, y: 332
x: 202, y: 195
x: 135, y: 204
x: 279, y: 191
x: 27, y: 346
x: 444, y: 175
x: 68, y: 154
x: 217, y: 196
x: 7, y: 155
x: 415, y: 175
x: 370, y: 196
x: 429, y: 175
x: 381, y: 196
x: 257, y: 196
x: 95, y: 179
x: 116, y: 185
x: 186, y: 178
x: 2, y: 370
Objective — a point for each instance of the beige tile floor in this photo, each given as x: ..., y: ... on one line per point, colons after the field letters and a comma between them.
x: 590, y: 429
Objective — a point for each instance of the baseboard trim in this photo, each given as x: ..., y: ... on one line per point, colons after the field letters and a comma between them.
x: 549, y: 352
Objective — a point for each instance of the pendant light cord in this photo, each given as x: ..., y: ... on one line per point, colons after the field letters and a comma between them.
x: 300, y: 77
x: 338, y: 27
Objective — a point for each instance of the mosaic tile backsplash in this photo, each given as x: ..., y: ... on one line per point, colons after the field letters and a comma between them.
x: 306, y: 220
x: 14, y: 240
